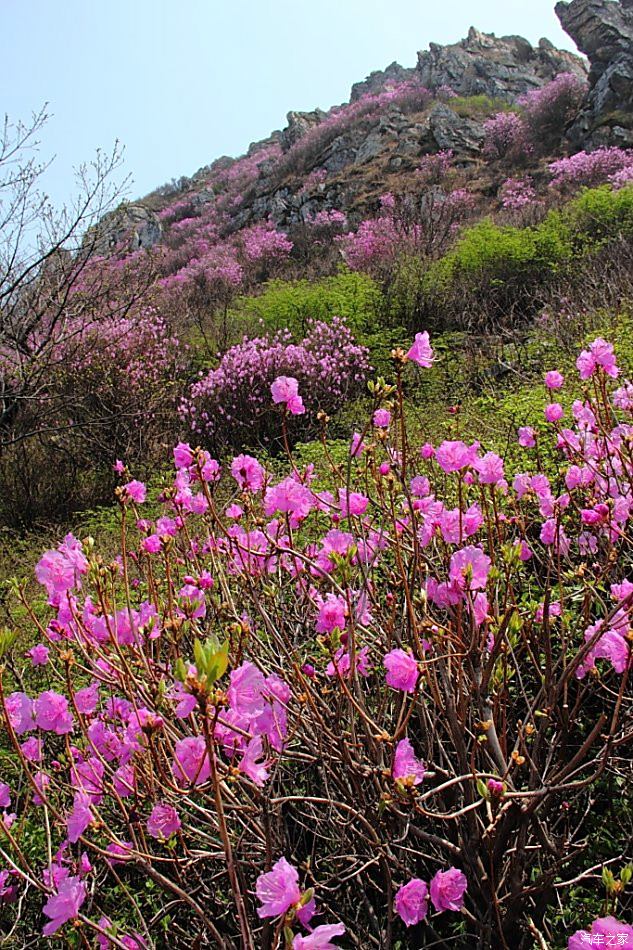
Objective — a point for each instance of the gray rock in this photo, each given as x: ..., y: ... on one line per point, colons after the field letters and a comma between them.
x: 377, y: 80
x: 298, y: 124
x: 502, y: 67
x: 130, y: 226
x: 603, y: 30
x: 451, y: 131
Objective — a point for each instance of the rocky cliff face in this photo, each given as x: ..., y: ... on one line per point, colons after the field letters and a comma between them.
x: 503, y: 67
x: 603, y: 30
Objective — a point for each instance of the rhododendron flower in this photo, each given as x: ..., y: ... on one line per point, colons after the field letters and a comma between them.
x: 64, y: 905
x: 136, y: 491
x: 38, y: 655
x: 406, y: 766
x: 247, y: 472
x: 342, y: 663
x: 152, y: 544
x: 251, y: 764
x: 191, y: 762
x: 285, y: 389
x: 554, y: 379
x: 447, y: 889
x: 320, y: 938
x: 86, y: 699
x: 5, y: 795
x: 19, y: 708
x: 553, y: 412
x: 453, y: 456
x: 183, y: 455
x: 245, y: 693
x: 402, y: 670
x: 332, y: 613
x: 52, y: 713
x: 469, y: 568
x: 490, y: 468
x: 600, y: 354
x: 352, y: 502
x: 277, y: 889
x: 163, y: 822
x: 526, y: 437
x: 495, y: 787
x: 382, y: 418
x: 606, y: 931
x: 80, y: 817
x: 412, y: 901
x: 421, y: 352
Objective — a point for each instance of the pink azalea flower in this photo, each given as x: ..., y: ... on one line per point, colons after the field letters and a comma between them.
x: 526, y: 437
x: 553, y: 412
x: 332, y: 613
x: 447, y: 890
x: 600, y: 354
x: 152, y: 544
x: 5, y: 795
x: 490, y: 468
x: 554, y: 379
x: 246, y: 690
x: 52, y: 713
x: 136, y: 491
x: 402, y: 670
x: 406, y: 766
x: 64, y: 905
x: 87, y: 699
x: 382, y: 418
x: 469, y: 568
x: 80, y: 817
x: 183, y: 455
x: 191, y: 762
x: 285, y: 389
x: 453, y: 456
x: 411, y: 902
x: 19, y: 708
x: 38, y: 655
x: 421, y: 352
x: 247, y: 472
x: 33, y: 749
x: 251, y: 764
x: 320, y: 938
x: 163, y: 822
x: 603, y: 931
x: 277, y: 889
x: 352, y: 502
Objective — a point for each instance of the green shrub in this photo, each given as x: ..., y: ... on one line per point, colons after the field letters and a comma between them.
x: 292, y: 304
x: 469, y: 107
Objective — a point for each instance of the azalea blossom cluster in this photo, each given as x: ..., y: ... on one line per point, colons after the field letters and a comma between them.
x: 301, y: 698
x: 550, y: 108
x: 233, y: 401
x: 590, y: 168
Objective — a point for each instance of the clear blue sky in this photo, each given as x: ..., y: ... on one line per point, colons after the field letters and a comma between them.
x: 181, y: 82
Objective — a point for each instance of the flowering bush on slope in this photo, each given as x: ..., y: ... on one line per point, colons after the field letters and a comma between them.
x: 343, y: 710
x: 232, y: 403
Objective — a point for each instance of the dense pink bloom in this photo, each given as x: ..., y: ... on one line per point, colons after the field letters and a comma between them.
x: 352, y: 502
x: 52, y: 713
x: 163, y: 822
x: 38, y: 655
x: 191, y: 762
x: 320, y: 938
x: 453, y: 456
x: 183, y: 455
x: 448, y: 889
x: 64, y: 905
x: 600, y: 354
x: 554, y: 379
x: 421, y: 352
x: 469, y: 568
x: 136, y: 491
x: 247, y: 472
x: 412, y: 901
x: 606, y: 931
x: 80, y: 817
x: 402, y: 670
x: 553, y: 412
x: 382, y: 418
x: 277, y: 889
x: 332, y: 613
x: 86, y: 699
x: 490, y: 468
x: 285, y: 389
x: 406, y: 766
x: 526, y: 437
x: 246, y: 690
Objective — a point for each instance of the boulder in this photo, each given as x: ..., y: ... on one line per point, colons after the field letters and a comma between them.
x: 603, y: 30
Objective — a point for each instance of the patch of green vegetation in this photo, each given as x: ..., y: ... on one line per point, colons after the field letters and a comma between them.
x: 476, y: 107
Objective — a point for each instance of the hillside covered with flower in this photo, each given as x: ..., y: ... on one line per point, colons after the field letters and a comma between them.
x: 316, y: 571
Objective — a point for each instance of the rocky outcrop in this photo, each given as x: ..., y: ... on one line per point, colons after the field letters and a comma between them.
x: 132, y: 226
x: 502, y: 67
x: 603, y: 30
x: 380, y: 78
x: 298, y: 124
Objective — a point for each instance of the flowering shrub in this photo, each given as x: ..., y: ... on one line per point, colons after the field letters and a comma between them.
x: 517, y: 194
x: 589, y: 168
x: 232, y: 403
x: 387, y: 695
x: 506, y: 136
x: 549, y: 109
